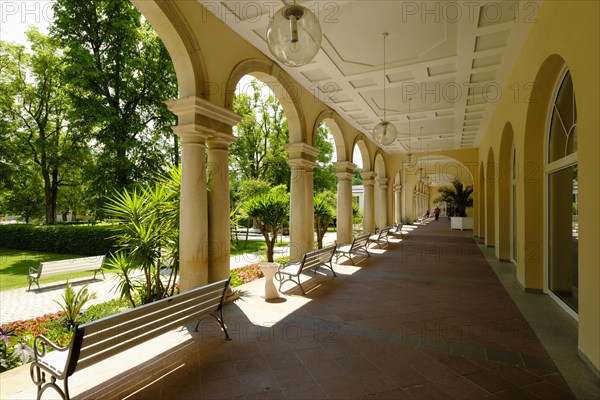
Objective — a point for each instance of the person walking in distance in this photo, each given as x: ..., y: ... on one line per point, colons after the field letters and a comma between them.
x: 437, y: 213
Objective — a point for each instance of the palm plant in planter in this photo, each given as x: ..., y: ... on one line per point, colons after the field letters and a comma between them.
x: 460, y: 197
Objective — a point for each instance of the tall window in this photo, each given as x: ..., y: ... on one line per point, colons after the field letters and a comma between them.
x: 563, y: 236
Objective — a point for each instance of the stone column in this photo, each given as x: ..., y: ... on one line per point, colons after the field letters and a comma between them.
x: 382, y: 212
x: 198, y: 120
x: 310, y: 207
x: 219, y: 251
x: 369, y: 211
x: 397, y: 203
x: 345, y: 173
x: 301, y: 159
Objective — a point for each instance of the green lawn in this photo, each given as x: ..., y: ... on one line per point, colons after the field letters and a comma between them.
x: 15, y: 264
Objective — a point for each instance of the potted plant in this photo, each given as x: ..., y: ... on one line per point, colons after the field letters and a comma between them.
x: 460, y: 197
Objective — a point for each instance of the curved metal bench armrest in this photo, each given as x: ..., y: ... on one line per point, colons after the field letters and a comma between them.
x: 39, y: 346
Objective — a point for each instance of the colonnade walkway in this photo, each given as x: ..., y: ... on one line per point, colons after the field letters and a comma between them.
x: 424, y: 318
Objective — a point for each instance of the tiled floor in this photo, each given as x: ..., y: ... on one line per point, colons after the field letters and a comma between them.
x: 424, y: 318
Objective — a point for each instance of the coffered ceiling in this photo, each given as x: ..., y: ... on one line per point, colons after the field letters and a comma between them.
x: 451, y: 58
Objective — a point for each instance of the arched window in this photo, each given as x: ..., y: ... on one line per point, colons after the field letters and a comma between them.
x: 562, y: 217
x: 513, y: 206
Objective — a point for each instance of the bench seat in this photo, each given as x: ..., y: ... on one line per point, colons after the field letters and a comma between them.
x: 311, y: 261
x: 357, y: 247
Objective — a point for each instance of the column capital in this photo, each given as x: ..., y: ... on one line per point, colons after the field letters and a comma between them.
x: 300, y: 163
x: 383, y: 183
x: 368, y: 175
x: 344, y: 176
x: 344, y: 166
x: 188, y: 109
x: 192, y: 133
x: 398, y: 187
x: 301, y: 151
x: 220, y: 141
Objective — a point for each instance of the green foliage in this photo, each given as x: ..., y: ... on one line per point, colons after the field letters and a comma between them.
x: 258, y: 152
x: 356, y: 214
x: 324, y: 215
x: 324, y: 171
x: 269, y: 212
x: 149, y: 236
x: 73, y: 302
x: 459, y: 196
x: 74, y: 239
x: 35, y: 104
x: 121, y: 75
x: 357, y: 177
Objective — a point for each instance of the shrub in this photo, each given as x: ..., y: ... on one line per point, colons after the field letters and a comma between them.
x: 85, y: 240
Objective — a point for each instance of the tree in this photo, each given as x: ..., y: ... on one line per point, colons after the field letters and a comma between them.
x: 324, y: 215
x: 35, y: 105
x: 357, y: 178
x: 121, y: 76
x: 324, y: 171
x: 270, y: 212
x: 459, y: 196
x: 258, y: 152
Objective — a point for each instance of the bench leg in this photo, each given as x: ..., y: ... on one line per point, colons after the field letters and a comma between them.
x: 219, y: 320
x: 39, y: 379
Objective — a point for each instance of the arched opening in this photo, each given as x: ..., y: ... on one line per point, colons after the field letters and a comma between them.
x: 381, y: 193
x: 365, y: 180
x: 562, y: 196
x: 481, y: 197
x: 505, y: 193
x: 490, y: 199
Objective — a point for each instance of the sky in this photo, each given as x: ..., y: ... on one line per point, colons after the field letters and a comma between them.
x: 17, y: 16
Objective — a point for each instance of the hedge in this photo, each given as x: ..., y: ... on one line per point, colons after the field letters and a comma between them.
x: 86, y: 240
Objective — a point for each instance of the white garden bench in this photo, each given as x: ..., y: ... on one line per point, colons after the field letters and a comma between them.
x: 311, y: 261
x: 61, y: 267
x: 357, y: 247
x: 98, y: 340
x: 380, y: 237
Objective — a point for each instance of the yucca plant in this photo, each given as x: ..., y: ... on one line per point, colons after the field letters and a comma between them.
x: 73, y: 302
x: 150, y: 233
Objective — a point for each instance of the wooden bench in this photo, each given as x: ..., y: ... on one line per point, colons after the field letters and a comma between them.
x: 311, y: 261
x: 98, y: 340
x: 49, y: 268
x: 380, y: 237
x: 357, y: 247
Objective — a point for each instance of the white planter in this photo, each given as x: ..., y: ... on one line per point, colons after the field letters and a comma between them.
x: 461, y: 223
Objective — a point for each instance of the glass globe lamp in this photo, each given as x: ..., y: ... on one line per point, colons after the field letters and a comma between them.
x: 294, y: 35
x: 384, y: 133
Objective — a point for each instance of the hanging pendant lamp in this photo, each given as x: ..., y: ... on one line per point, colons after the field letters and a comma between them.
x: 294, y: 35
x: 385, y: 132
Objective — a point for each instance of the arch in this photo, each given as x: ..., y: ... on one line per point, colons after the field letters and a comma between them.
x: 481, y: 196
x: 530, y: 271
x: 504, y: 191
x: 180, y: 41
x: 379, y: 165
x: 281, y: 84
x: 490, y: 199
x: 333, y: 122
x: 364, y: 153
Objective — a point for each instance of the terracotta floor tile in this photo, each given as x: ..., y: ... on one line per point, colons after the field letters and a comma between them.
x: 428, y: 391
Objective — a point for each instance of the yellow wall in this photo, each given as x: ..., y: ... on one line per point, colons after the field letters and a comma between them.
x: 565, y: 33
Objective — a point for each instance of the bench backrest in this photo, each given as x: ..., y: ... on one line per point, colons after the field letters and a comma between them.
x: 318, y: 257
x: 103, y: 338
x: 66, y: 266
x: 384, y: 232
x: 360, y: 241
